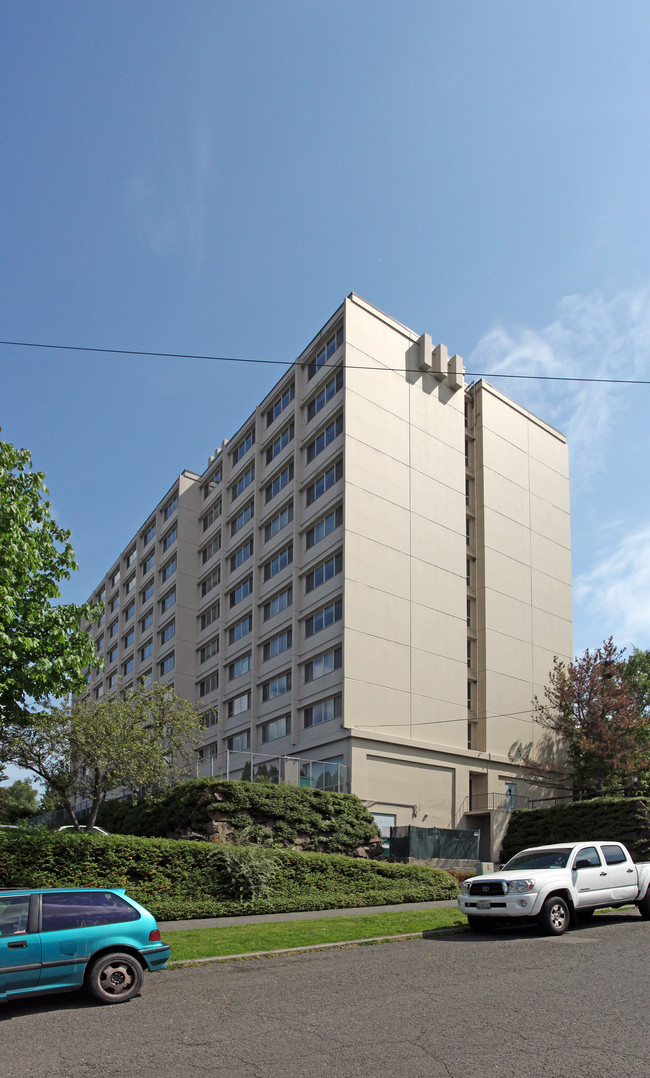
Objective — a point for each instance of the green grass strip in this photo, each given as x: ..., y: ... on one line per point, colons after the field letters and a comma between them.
x: 190, y: 943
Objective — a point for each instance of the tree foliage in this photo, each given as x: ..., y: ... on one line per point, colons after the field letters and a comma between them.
x: 18, y: 801
x: 90, y: 747
x: 593, y: 705
x: 43, y: 649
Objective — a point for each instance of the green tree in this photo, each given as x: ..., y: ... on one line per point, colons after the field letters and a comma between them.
x: 18, y: 801
x: 636, y: 672
x: 43, y: 648
x: 84, y: 750
x: 590, y: 704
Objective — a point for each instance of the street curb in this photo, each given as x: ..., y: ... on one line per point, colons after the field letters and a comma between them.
x: 307, y: 947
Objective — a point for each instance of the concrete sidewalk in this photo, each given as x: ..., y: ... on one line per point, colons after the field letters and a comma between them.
x: 297, y: 915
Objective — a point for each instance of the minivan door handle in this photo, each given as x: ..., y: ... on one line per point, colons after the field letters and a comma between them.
x: 18, y: 943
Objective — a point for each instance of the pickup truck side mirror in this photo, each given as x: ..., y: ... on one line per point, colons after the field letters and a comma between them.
x: 583, y: 862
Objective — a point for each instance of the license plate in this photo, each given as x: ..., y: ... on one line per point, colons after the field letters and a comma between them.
x: 482, y: 904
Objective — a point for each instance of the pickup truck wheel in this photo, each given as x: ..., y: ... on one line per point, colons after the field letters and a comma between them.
x: 554, y: 917
x: 479, y: 924
x: 644, y: 907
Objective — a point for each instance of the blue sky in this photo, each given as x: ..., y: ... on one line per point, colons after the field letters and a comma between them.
x: 213, y: 178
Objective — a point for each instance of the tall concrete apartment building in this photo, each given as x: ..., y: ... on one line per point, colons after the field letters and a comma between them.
x: 366, y: 586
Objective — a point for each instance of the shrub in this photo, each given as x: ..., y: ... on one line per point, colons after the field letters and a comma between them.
x: 250, y: 812
x: 177, y: 879
x: 621, y: 819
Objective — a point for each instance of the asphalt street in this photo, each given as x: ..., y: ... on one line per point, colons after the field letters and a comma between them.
x: 454, y: 1005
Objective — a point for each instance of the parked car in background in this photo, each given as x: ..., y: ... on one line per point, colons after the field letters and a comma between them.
x: 82, y: 827
x: 96, y: 938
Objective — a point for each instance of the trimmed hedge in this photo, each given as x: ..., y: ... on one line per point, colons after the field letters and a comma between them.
x: 254, y: 813
x: 621, y: 819
x: 176, y: 879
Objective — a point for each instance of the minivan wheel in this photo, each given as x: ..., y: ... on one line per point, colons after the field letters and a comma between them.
x: 114, y: 978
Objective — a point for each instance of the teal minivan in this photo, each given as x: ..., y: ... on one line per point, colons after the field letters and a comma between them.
x: 65, y: 938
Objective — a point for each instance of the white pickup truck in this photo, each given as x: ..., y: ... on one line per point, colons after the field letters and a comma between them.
x: 555, y: 885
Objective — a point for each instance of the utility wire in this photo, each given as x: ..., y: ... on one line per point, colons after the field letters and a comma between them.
x: 289, y: 363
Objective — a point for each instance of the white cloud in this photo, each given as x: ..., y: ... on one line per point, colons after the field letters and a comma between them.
x: 616, y: 591
x: 591, y: 337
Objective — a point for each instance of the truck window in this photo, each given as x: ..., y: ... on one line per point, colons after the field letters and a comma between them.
x: 614, y: 855
x: 587, y: 857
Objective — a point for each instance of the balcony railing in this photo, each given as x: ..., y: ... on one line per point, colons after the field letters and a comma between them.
x: 293, y: 770
x: 490, y: 803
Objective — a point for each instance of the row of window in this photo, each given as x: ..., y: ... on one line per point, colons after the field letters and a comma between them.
x: 323, y: 711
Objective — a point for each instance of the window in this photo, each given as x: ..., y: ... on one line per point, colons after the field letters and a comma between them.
x: 168, y: 632
x: 146, y: 593
x: 130, y: 611
x: 276, y: 645
x: 243, y: 446
x: 240, y: 667
x: 211, y: 483
x: 280, y: 443
x: 317, y: 403
x: 208, y: 520
x: 171, y: 506
x: 210, y: 616
x: 279, y: 562
x: 241, y: 555
x: 324, y: 527
x: 242, y: 518
x: 281, y: 402
x: 324, y: 572
x: 614, y: 855
x: 101, y: 594
x: 146, y: 651
x: 323, y: 711
x: 588, y: 854
x: 169, y: 538
x: 115, y: 578
x: 240, y: 742
x: 149, y: 533
x: 278, y: 483
x: 99, y: 692
x: 15, y: 911
x: 112, y: 655
x: 324, y: 481
x: 113, y: 628
x: 168, y: 601
x: 130, y: 584
x: 169, y: 569
x: 127, y: 667
x: 244, y: 480
x: 278, y: 603
x: 129, y: 638
x: 209, y: 684
x: 100, y: 619
x: 238, y: 704
x: 323, y: 664
x: 280, y: 521
x: 112, y: 680
x: 210, y: 717
x: 322, y: 440
x: 271, y: 731
x: 147, y: 679
x: 238, y: 594
x: 321, y: 357
x: 131, y: 556
x: 210, y: 582
x: 114, y: 603
x: 209, y: 650
x: 99, y: 643
x: 148, y: 563
x: 211, y: 549
x: 167, y: 664
x: 277, y: 686
x: 240, y: 629
x: 67, y: 910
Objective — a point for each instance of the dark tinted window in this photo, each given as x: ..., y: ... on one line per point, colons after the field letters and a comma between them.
x: 587, y: 858
x: 614, y: 855
x: 83, y: 909
x: 14, y: 910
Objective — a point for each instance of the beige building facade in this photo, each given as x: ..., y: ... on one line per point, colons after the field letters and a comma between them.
x: 365, y: 587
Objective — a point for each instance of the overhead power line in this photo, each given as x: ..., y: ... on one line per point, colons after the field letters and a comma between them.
x: 289, y: 363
